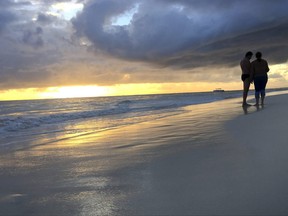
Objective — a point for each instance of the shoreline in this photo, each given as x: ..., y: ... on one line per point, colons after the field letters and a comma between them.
x: 196, y: 163
x: 243, y: 175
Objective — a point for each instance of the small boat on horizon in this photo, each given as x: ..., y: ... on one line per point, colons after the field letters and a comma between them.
x: 218, y: 90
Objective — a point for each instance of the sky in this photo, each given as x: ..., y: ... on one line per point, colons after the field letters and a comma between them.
x: 62, y: 48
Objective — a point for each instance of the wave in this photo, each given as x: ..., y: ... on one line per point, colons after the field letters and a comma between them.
x: 15, y: 123
x: 95, y: 108
x: 25, y: 122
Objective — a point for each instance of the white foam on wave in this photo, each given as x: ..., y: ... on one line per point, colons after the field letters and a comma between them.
x: 46, y: 112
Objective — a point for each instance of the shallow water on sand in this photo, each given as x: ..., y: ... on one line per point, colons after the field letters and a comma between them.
x: 25, y: 122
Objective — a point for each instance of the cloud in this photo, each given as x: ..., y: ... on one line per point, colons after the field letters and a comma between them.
x: 30, y: 47
x: 33, y: 37
x: 6, y: 17
x: 45, y: 19
x: 12, y: 3
x: 11, y: 13
x: 187, y: 34
x: 136, y: 41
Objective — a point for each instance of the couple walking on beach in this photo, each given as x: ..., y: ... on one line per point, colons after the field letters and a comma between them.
x: 256, y: 72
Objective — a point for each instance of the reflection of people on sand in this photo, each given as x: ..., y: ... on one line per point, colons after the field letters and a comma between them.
x: 259, y: 73
x: 245, y: 109
x: 246, y: 75
x: 251, y: 109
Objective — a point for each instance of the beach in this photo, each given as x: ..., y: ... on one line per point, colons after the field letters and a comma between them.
x: 212, y: 159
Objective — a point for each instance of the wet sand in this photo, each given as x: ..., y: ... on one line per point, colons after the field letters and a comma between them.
x: 215, y: 159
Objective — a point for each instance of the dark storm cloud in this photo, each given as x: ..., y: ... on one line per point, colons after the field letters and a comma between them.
x: 38, y: 47
x: 45, y: 19
x: 33, y: 37
x: 272, y: 42
x: 8, y: 13
x: 187, y: 33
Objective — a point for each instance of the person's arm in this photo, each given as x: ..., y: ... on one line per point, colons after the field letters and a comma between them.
x: 252, y: 72
x: 245, y: 66
x: 267, y: 67
x: 242, y: 65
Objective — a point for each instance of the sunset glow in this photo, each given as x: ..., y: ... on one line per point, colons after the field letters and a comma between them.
x: 66, y: 10
x: 74, y: 91
x: 143, y: 107
x: 91, y: 48
x: 278, y: 78
x: 115, y: 90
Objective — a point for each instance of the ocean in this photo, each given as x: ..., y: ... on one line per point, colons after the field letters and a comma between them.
x: 23, y: 121
x: 92, y: 156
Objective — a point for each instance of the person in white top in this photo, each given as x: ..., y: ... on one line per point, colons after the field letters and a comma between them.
x: 246, y: 76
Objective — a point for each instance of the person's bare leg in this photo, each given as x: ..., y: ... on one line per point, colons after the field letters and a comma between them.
x: 246, y: 86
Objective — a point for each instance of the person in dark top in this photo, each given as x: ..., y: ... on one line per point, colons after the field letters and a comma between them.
x: 246, y: 76
x: 260, y: 69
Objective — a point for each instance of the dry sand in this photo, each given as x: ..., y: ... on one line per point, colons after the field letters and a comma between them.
x: 212, y: 160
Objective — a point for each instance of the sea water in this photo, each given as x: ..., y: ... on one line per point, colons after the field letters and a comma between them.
x: 25, y: 121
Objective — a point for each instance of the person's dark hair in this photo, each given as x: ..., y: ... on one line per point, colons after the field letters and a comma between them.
x: 258, y: 55
x: 249, y: 54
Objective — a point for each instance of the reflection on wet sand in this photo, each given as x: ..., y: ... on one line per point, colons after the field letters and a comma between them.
x: 252, y: 108
x: 98, y: 173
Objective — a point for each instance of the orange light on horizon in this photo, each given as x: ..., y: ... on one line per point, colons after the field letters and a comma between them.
x: 115, y: 90
x: 74, y: 92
